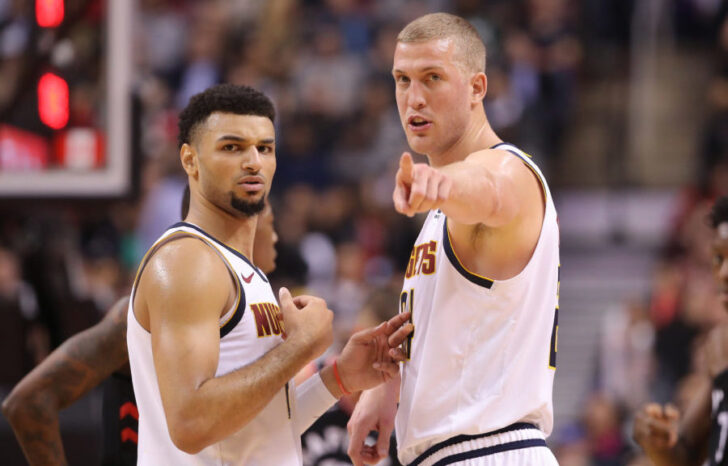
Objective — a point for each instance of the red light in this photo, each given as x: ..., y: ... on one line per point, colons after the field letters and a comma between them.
x: 53, y: 100
x: 49, y: 13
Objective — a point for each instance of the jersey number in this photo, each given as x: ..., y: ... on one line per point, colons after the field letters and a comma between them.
x: 723, y: 421
x: 554, y: 340
x: 406, y: 303
x: 555, y: 329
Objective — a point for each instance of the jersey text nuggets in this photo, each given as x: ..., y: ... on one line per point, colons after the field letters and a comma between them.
x: 268, y: 319
x: 422, y: 259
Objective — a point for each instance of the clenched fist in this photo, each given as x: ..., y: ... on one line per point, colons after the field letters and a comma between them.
x: 307, y: 321
x: 656, y: 427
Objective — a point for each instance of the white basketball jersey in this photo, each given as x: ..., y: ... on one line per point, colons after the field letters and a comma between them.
x: 483, y: 352
x: 248, y: 331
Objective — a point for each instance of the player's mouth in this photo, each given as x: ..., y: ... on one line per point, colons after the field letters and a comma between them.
x: 418, y: 124
x: 252, y: 184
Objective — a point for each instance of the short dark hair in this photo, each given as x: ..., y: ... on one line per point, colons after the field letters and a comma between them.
x: 226, y: 98
x: 719, y: 212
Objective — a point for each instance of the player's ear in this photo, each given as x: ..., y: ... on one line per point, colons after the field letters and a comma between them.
x: 479, y: 86
x: 188, y: 157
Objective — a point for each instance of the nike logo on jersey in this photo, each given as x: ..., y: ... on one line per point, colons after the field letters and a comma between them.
x: 248, y: 279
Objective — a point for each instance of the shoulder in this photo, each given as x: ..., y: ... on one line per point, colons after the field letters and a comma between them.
x: 185, y: 269
x: 506, y: 164
x: 494, y: 157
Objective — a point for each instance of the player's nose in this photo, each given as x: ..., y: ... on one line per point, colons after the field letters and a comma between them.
x: 252, y: 160
x: 416, y: 96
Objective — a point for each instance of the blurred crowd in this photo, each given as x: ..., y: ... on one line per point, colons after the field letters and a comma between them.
x: 327, y: 66
x: 648, y: 347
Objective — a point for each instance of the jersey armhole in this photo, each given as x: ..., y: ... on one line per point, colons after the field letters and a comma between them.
x: 230, y: 314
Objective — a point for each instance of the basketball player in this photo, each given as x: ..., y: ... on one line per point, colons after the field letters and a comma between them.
x: 700, y: 436
x: 482, y: 280
x: 82, y: 363
x: 211, y: 352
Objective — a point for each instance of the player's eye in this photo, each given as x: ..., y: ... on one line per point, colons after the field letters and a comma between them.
x: 265, y: 149
x: 402, y: 79
x: 434, y: 77
x: 230, y: 147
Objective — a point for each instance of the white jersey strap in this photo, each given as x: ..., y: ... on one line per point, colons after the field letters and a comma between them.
x: 528, y: 161
x: 231, y: 318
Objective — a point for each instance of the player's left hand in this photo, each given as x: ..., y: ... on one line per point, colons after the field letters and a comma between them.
x: 372, y: 356
x: 419, y: 187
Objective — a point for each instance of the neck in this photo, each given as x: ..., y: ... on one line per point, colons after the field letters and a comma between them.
x: 236, y: 231
x: 478, y: 135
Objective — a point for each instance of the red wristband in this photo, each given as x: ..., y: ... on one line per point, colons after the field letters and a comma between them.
x: 338, y: 380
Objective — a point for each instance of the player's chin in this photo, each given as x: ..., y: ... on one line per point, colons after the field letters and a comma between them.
x: 420, y: 143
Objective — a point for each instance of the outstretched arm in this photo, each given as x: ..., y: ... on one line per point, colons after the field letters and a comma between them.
x: 67, y: 374
x: 488, y: 187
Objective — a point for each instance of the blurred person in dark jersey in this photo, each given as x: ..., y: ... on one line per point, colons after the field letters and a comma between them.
x: 699, y: 435
x: 95, y: 356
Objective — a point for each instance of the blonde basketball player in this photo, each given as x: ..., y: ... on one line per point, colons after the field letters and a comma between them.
x: 482, y: 280
x: 212, y: 353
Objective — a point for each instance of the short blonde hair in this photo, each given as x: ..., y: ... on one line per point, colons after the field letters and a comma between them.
x: 444, y: 25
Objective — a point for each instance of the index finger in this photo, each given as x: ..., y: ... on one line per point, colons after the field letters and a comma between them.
x: 406, y: 165
x: 400, y: 335
x: 393, y: 324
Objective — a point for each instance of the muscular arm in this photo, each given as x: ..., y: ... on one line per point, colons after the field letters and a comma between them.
x: 66, y: 375
x: 185, y: 288
x: 488, y: 187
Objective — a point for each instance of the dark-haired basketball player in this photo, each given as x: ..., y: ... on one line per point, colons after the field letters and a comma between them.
x: 84, y: 361
x: 211, y: 350
x: 700, y: 436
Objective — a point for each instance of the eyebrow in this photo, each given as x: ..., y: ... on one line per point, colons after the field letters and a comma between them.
x: 230, y: 137
x: 421, y: 70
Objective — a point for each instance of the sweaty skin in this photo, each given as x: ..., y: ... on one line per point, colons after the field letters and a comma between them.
x: 83, y: 362
x: 230, y: 163
x: 494, y: 203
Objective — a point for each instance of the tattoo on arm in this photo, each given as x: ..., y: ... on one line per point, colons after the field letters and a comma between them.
x: 66, y: 375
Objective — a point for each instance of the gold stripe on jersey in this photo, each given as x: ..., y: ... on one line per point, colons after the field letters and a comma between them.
x: 178, y: 235
x: 457, y: 263
x: 517, y: 152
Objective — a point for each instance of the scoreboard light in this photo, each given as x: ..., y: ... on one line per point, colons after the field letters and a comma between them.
x: 53, y: 101
x: 49, y: 13
x: 44, y: 153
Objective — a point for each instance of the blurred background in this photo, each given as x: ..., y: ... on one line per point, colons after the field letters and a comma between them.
x: 623, y: 103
